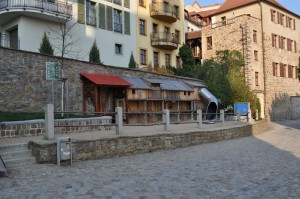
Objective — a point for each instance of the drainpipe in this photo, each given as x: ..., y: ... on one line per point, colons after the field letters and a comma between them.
x: 263, y: 54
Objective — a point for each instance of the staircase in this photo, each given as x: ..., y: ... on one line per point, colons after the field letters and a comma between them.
x: 16, y: 155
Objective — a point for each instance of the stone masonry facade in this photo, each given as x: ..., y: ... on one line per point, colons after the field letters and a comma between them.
x: 238, y: 34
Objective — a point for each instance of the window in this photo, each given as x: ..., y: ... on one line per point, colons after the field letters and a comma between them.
x: 273, y: 15
x: 209, y: 42
x: 282, y: 18
x: 176, y: 9
x: 165, y: 6
x: 177, y: 36
x: 168, y: 60
x: 256, y: 78
x: 255, y: 36
x: 178, y: 62
x: 90, y: 13
x: 283, y: 42
x: 118, y: 21
x: 274, y: 40
x: 155, y: 28
x: 143, y: 57
x: 155, y: 59
x: 118, y: 49
x: 223, y: 19
x: 142, y: 27
x: 255, y: 55
x: 142, y: 3
x: 119, y: 2
x: 275, y: 69
x: 285, y: 70
x: 133, y: 91
x: 281, y: 70
x: 290, y: 71
x: 166, y: 30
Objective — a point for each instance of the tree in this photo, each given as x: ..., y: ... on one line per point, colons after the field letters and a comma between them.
x: 46, y: 47
x: 94, y: 55
x: 132, y: 63
x: 188, y: 66
x: 298, y: 70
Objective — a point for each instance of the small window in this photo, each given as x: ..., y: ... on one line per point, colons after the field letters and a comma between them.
x: 189, y: 93
x: 176, y: 9
x: 118, y: 49
x: 142, y: 27
x: 178, y: 62
x: 142, y: 3
x: 133, y: 91
x: 256, y: 78
x: 143, y: 57
x: 184, y: 92
x: 255, y: 36
x: 155, y: 59
x: 256, y: 55
x: 155, y: 28
x: 168, y: 60
x: 209, y: 43
x: 223, y: 19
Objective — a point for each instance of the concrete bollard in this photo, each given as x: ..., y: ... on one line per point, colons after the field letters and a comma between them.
x: 166, y: 119
x: 119, y: 121
x: 199, y: 118
x: 49, y: 122
x: 222, y: 116
x: 256, y: 114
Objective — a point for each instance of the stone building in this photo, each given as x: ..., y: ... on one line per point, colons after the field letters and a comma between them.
x: 268, y: 36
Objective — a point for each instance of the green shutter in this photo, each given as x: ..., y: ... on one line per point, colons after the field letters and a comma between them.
x: 81, y: 11
x: 127, y: 22
x: 109, y: 20
x: 127, y: 3
x: 101, y: 16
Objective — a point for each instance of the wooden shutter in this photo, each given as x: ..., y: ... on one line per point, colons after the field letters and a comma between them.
x: 127, y: 3
x: 272, y: 18
x: 102, y: 16
x: 278, y: 17
x: 279, y: 41
x: 294, y: 24
x: 290, y: 71
x: 296, y: 72
x: 295, y: 46
x: 127, y: 23
x: 273, y: 40
x: 287, y: 21
x: 281, y: 70
x: 81, y: 11
x: 274, y: 69
x: 109, y: 19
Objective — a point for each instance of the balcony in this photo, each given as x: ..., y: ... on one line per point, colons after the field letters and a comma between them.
x: 164, y: 12
x: 45, y: 9
x: 165, y: 41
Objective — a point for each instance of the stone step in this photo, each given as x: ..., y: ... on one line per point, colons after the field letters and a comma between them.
x: 15, y: 154
x: 13, y: 147
x: 13, y: 163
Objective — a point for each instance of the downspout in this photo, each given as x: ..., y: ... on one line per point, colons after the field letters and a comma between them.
x: 263, y: 54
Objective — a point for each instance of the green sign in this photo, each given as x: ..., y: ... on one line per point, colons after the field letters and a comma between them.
x: 52, y: 71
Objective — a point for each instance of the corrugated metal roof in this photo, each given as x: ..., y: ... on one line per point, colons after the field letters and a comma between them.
x: 196, y: 84
x: 173, y: 85
x: 106, y: 80
x: 137, y: 83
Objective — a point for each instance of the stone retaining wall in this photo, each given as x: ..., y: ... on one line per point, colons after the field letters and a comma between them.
x: 45, y: 151
x: 37, y: 127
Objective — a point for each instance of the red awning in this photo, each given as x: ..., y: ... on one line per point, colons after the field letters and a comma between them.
x: 106, y: 80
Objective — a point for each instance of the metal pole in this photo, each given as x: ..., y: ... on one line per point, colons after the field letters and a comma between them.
x: 52, y: 91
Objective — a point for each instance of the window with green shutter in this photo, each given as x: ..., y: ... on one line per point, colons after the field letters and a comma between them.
x: 127, y: 22
x: 127, y: 3
x: 109, y: 16
x: 81, y: 11
x: 102, y: 16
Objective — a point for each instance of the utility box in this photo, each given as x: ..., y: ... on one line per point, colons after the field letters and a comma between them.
x: 64, y: 151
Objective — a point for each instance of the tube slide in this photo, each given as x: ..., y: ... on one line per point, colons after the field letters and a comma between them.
x: 212, y: 103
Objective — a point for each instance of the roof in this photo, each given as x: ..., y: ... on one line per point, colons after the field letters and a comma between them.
x: 173, y: 85
x: 207, y: 13
x: 232, y: 4
x: 137, y: 83
x: 106, y: 80
x: 193, y: 35
x: 196, y: 84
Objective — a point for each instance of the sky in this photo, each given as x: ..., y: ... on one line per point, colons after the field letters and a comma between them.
x: 292, y: 5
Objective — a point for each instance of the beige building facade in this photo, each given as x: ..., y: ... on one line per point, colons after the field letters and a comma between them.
x: 268, y: 35
x: 160, y: 32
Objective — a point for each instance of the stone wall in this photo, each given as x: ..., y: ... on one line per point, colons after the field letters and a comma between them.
x: 37, y: 127
x: 295, y: 101
x: 45, y: 151
x: 23, y: 85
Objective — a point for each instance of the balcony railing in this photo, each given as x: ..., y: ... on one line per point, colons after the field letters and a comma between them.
x: 170, y: 95
x: 118, y: 27
x: 155, y: 94
x: 165, y: 40
x: 91, y: 20
x: 163, y: 11
x: 44, y: 5
x: 8, y: 41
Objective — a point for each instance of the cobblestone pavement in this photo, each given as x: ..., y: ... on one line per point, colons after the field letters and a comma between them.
x: 264, y: 166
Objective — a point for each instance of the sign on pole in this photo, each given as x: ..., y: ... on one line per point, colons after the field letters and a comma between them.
x: 52, y: 70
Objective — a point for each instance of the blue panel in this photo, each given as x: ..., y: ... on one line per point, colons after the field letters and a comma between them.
x: 242, y: 107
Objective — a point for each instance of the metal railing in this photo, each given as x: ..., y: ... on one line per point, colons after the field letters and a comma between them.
x: 118, y: 27
x: 91, y: 20
x: 44, y: 5
x: 8, y: 41
x: 223, y: 23
x: 164, y: 38
x: 161, y: 7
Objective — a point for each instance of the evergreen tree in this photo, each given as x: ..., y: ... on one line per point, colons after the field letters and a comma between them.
x: 46, y: 47
x: 132, y: 63
x: 94, y: 56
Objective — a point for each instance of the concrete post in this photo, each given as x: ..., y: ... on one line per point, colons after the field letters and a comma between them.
x: 166, y: 119
x: 222, y: 116
x: 238, y: 116
x: 199, y: 118
x: 256, y: 114
x: 119, y: 121
x: 49, y: 122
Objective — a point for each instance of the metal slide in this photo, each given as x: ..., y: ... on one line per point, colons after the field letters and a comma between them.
x: 212, y: 104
